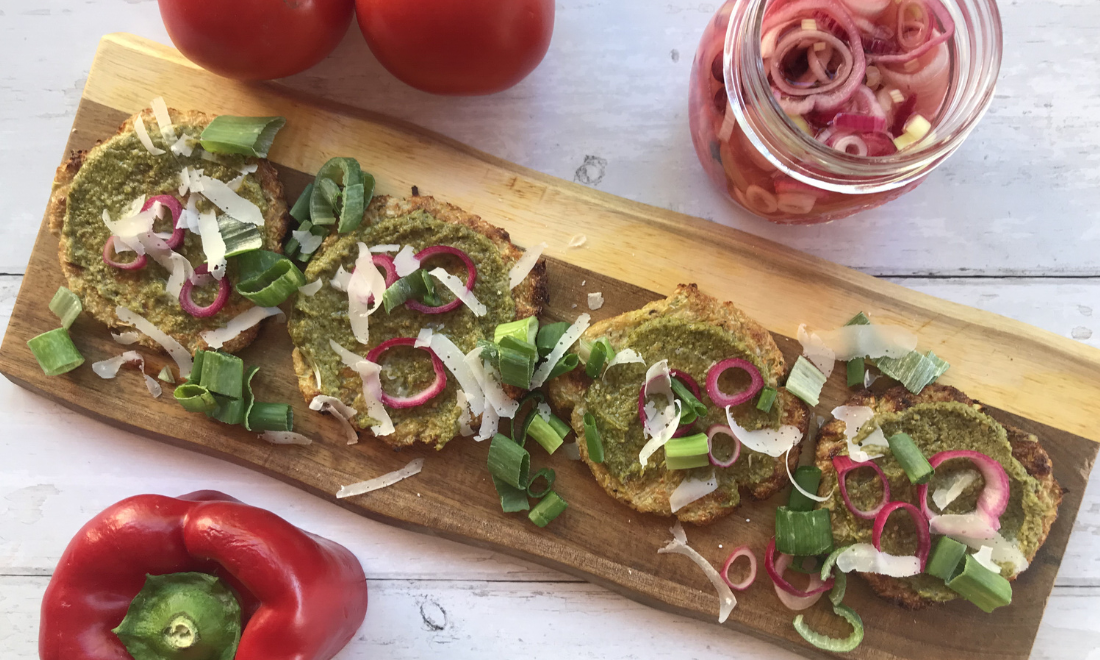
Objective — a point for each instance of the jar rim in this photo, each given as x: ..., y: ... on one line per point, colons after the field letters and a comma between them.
x: 977, y: 44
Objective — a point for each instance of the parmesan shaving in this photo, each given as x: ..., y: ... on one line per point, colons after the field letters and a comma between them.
x: 308, y: 241
x: 772, y: 442
x: 678, y: 545
x: 405, y: 261
x: 690, y: 490
x: 372, y: 388
x: 659, y: 424
x: 131, y: 336
x: 365, y: 288
x: 285, y: 438
x: 577, y: 240
x: 183, y: 147
x: 414, y: 467
x: 222, y: 196
x: 389, y: 247
x: 455, y: 360
x: 195, y: 179
x: 107, y: 369
x: 524, y: 265
x: 185, y: 181
x: 815, y: 350
x: 568, y: 337
x: 213, y: 246
x: 424, y: 338
x: 340, y: 410
x: 490, y: 422
x: 340, y: 280
x: 458, y: 287
x: 464, y: 418
x: 595, y: 300
x: 968, y: 525
x: 853, y: 418
x: 164, y: 120
x: 1001, y: 551
x: 984, y: 556
x: 311, y: 288
x: 625, y: 356
x: 864, y: 558
x: 953, y: 487
x: 813, y: 496
x: 143, y: 137
x: 173, y: 347
x: 238, y: 324
x: 871, y: 341
x: 543, y: 409
x: 486, y: 378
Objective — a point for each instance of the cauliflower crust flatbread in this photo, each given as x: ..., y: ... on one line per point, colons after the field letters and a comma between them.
x: 163, y: 312
x: 1026, y: 449
x: 651, y: 493
x: 436, y: 422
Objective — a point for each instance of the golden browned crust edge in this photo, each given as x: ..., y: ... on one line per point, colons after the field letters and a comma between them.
x: 1025, y: 448
x: 276, y: 224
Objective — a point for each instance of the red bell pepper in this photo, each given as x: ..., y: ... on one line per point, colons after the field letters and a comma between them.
x: 301, y: 597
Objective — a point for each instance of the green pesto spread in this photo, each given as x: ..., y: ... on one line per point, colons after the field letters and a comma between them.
x: 112, y: 176
x: 936, y: 427
x: 691, y: 347
x: 405, y: 370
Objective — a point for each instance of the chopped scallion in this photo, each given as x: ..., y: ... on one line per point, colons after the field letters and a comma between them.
x: 567, y: 363
x: 601, y: 352
x: 859, y: 319
x: 519, y: 429
x: 689, y: 401
x: 55, y: 352
x: 270, y: 417
x: 268, y: 278
x: 239, y: 237
x: 910, y: 457
x: 508, y: 461
x: 559, y: 426
x: 548, y: 337
x: 856, y: 371
x: 826, y: 643
x: 592, y: 439
x: 809, y: 478
x: 341, y: 190
x: 517, y: 361
x: 511, y: 499
x: 249, y: 136
x: 229, y: 411
x: 689, y: 451
x: 981, y: 586
x: 523, y: 329
x: 840, y: 587
x: 767, y: 399
x: 803, y: 532
x: 548, y: 508
x: 223, y: 374
x: 945, y: 559
x: 166, y: 376
x: 806, y: 381
x: 66, y: 305
x: 196, y: 367
x: 195, y: 398
x: 544, y: 434
x: 300, y: 210
x: 548, y: 475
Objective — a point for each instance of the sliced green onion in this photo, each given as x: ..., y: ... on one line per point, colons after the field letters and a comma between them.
x: 544, y: 434
x: 945, y: 559
x: 856, y: 372
x: 508, y: 461
x: 859, y: 319
x: 602, y: 352
x: 830, y: 561
x: 165, y: 375
x: 592, y: 439
x: 547, y: 474
x: 767, y: 399
x: 300, y: 210
x: 248, y: 136
x: 341, y: 190
x: 809, y: 478
x: 511, y: 499
x: 270, y: 417
x: 223, y: 374
x: 517, y: 361
x: 229, y: 411
x: 267, y: 278
x: 916, y: 466
x: 548, y: 508
x: 195, y: 398
x: 66, y: 305
x: 914, y: 371
x: 559, y: 426
x: 523, y: 329
x: 548, y: 337
x: 567, y: 363
x: 826, y: 643
x: 840, y: 587
x: 55, y: 352
x: 196, y: 367
x: 249, y: 398
x: 981, y: 586
x: 519, y: 429
x: 803, y: 532
x: 239, y: 237
x: 806, y: 381
x: 689, y: 451
x: 687, y: 398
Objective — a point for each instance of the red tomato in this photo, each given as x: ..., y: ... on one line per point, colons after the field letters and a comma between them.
x: 256, y: 39
x: 458, y: 46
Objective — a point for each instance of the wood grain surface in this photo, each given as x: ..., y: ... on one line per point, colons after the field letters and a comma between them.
x: 635, y: 254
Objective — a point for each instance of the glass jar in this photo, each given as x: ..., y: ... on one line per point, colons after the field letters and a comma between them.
x: 756, y: 154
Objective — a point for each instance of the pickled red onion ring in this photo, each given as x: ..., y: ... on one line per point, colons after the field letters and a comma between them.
x: 741, y: 551
x: 912, y: 32
x: 924, y: 538
x: 471, y: 278
x: 858, y: 122
x: 866, y: 7
x: 213, y: 308
x: 425, y: 395
x: 994, y: 497
x: 176, y: 209
x: 935, y: 39
x: 715, y: 430
x: 798, y: 38
x: 802, y: 599
x: 843, y: 465
x: 109, y: 249
x: 850, y: 144
x: 722, y: 399
x: 385, y: 262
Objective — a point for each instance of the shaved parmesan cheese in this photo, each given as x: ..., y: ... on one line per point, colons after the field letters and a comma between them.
x: 524, y: 265
x: 389, y: 479
x: 678, y: 545
x: 853, y: 418
x: 311, y: 288
x: 405, y: 261
x: 308, y: 241
x: 659, y: 424
x: 625, y: 356
x: 458, y: 287
x: 173, y: 347
x: 285, y: 438
x: 129, y: 227
x: 389, y: 247
x: 543, y: 409
x: 213, y: 246
x: 206, y: 155
x: 164, y: 120
x: 365, y: 289
x: 872, y: 341
x: 864, y: 558
x: 969, y: 525
x: 109, y: 369
x: 143, y: 137
x: 486, y: 378
x: 340, y: 280
x: 222, y: 196
x: 372, y: 388
x: 183, y: 146
x: 595, y: 300
x: 238, y: 324
x: 568, y: 337
x: 813, y: 496
x: 984, y: 556
x: 424, y: 338
x: 189, y: 218
x: 195, y: 179
x: 815, y: 350
x: 131, y: 336
x: 953, y: 487
x: 772, y: 442
x: 692, y: 489
x: 185, y: 181
x: 1001, y: 550
x: 577, y: 240
x: 490, y: 422
x: 349, y: 358
x: 340, y: 410
x: 868, y: 378
x: 464, y: 418
x: 455, y: 360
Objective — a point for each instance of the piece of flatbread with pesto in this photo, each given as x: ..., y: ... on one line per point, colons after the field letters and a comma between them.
x: 692, y: 331
x: 108, y: 177
x: 940, y: 418
x: 420, y: 222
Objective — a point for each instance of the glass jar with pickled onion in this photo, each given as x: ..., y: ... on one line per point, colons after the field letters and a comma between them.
x: 805, y: 111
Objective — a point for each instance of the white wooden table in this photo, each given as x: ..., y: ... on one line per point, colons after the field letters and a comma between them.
x: 1011, y: 224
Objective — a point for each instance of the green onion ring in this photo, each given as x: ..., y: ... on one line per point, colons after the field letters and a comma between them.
x: 546, y: 473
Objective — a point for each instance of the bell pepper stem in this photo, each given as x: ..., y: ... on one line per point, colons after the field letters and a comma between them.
x: 181, y: 632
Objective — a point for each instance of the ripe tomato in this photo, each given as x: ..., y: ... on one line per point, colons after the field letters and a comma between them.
x: 256, y: 39
x: 458, y: 46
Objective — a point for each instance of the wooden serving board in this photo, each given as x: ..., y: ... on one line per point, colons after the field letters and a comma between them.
x: 1040, y: 382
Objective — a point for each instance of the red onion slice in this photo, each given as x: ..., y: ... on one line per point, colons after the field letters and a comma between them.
x: 385, y: 262
x: 176, y: 209
x: 843, y: 466
x: 471, y: 278
x: 722, y: 399
x: 715, y: 430
x: 879, y: 144
x: 860, y: 122
x: 935, y: 38
x: 851, y: 144
x: 213, y: 308
x: 924, y: 538
x: 109, y: 250
x: 802, y: 599
x: 994, y: 497
x: 428, y: 393
x: 741, y: 551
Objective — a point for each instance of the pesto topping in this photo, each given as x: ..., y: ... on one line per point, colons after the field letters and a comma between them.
x: 936, y: 427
